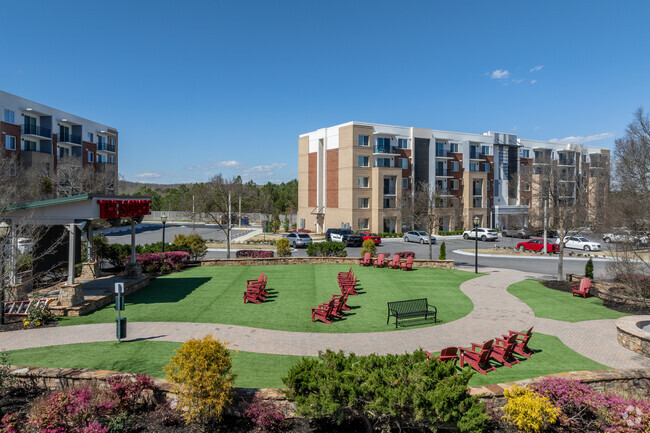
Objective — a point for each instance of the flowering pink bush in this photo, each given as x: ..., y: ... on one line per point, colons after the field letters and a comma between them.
x: 155, y: 263
x: 9, y: 423
x: 265, y: 414
x: 62, y: 410
x: 405, y: 254
x: 95, y: 427
x: 256, y: 254
x: 125, y: 390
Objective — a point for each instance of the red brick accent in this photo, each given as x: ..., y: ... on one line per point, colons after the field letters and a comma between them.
x: 406, y: 173
x: 332, y: 178
x: 14, y: 131
x: 312, y: 179
x: 490, y: 176
x: 85, y: 148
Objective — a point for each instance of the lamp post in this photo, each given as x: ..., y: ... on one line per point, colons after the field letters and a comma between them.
x: 4, y: 232
x: 476, y: 221
x: 163, y: 218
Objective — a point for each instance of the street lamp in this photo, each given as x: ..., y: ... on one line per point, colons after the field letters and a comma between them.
x: 476, y: 221
x: 163, y: 218
x: 4, y: 232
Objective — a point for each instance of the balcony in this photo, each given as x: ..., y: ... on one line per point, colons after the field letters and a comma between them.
x: 69, y: 138
x: 384, y: 148
x: 389, y: 203
x: 443, y: 172
x: 566, y: 161
x: 106, y: 147
x: 441, y: 153
x: 37, y: 131
x: 389, y: 191
x: 477, y: 192
x: 478, y: 202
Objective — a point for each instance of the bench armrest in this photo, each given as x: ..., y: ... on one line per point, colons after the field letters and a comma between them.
x: 464, y: 349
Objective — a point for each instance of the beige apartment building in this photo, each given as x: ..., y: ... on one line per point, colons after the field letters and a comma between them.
x: 363, y: 176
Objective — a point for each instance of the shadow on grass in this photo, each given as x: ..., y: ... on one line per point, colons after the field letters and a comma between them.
x: 406, y: 323
x: 166, y: 290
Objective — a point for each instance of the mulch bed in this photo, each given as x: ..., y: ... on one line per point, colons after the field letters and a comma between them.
x: 564, y: 286
x: 16, y: 324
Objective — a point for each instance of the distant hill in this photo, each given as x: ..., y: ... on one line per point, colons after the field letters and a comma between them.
x: 128, y: 188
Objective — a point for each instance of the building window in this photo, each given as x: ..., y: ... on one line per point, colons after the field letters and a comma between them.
x: 90, y: 137
x: 364, y: 182
x: 405, y: 183
x: 9, y: 116
x: 404, y: 163
x: 526, y: 186
x: 486, y: 167
x: 10, y: 142
x: 363, y: 161
x: 29, y: 145
x: 402, y: 143
x: 525, y: 202
x: 525, y: 153
x: 389, y: 203
x: 473, y: 166
x: 363, y: 223
x: 485, y: 150
x: 364, y: 140
x: 111, y: 160
x: 91, y: 156
x: 455, y: 166
x: 101, y: 158
x: 364, y: 202
x: 384, y: 162
x: 453, y: 147
x: 454, y: 184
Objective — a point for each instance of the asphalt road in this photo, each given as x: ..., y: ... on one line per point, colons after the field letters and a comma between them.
x: 149, y: 233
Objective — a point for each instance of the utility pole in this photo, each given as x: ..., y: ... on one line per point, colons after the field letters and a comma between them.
x: 239, y: 211
x: 228, y: 234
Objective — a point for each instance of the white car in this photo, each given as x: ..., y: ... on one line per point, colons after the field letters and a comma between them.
x: 484, y: 234
x: 580, y: 243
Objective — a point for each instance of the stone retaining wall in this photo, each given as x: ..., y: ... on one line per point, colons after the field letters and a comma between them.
x: 348, y: 261
x: 631, y: 383
x: 630, y: 336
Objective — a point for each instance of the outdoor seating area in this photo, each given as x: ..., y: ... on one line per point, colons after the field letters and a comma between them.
x: 256, y: 290
x: 410, y: 309
x: 381, y: 262
x: 332, y: 310
x: 581, y: 289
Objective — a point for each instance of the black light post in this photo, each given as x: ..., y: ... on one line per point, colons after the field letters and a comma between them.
x: 476, y: 221
x: 163, y: 218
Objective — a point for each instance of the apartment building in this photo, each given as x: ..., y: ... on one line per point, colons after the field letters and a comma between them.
x: 42, y: 140
x: 364, y: 176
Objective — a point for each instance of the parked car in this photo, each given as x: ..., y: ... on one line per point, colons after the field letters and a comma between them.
x: 376, y: 239
x: 627, y: 237
x: 580, y: 243
x: 540, y: 233
x: 299, y: 239
x: 483, y: 233
x: 348, y: 237
x: 538, y: 245
x: 328, y: 234
x: 419, y: 236
x: 516, y: 233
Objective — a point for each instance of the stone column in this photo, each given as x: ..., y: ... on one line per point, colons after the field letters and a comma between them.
x: 71, y: 295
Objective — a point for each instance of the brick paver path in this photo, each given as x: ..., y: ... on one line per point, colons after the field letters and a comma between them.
x: 495, y: 311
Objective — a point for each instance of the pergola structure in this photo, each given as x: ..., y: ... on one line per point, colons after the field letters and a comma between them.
x: 76, y: 212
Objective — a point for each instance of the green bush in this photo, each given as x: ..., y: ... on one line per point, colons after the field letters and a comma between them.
x: 6, y: 378
x: 283, y: 248
x: 369, y: 247
x: 443, y: 252
x: 385, y: 391
x: 285, y: 223
x: 390, y: 235
x: 589, y: 269
x: 326, y: 249
x: 193, y: 244
x: 451, y: 233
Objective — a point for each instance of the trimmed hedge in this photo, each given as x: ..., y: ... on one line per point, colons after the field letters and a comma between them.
x: 326, y: 249
x: 390, y: 235
x: 450, y: 233
x: 157, y: 263
x: 405, y: 254
x: 254, y: 254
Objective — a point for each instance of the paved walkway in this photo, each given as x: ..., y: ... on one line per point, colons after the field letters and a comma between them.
x: 495, y: 311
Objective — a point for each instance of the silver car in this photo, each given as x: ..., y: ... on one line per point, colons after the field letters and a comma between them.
x: 420, y: 237
x: 299, y: 239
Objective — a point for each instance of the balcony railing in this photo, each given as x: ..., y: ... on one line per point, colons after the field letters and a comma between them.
x: 442, y: 153
x: 69, y: 138
x: 565, y: 161
x: 443, y: 172
x: 106, y: 147
x: 389, y: 191
x: 382, y: 149
x: 477, y: 191
x: 37, y: 130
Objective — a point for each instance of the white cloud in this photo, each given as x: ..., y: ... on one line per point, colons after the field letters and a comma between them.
x: 581, y: 139
x: 536, y: 68
x: 514, y: 128
x: 233, y: 164
x: 499, y: 74
x: 148, y: 175
x: 533, y: 81
x: 536, y: 128
x: 265, y: 168
x: 519, y: 81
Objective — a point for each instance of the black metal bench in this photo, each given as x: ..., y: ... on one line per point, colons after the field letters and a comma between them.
x: 411, y: 308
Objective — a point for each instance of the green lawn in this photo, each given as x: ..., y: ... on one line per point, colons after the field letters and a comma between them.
x: 214, y: 295
x: 258, y: 370
x: 553, y: 304
x: 254, y: 370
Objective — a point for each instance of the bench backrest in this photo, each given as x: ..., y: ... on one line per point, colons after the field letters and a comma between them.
x: 585, y: 285
x: 380, y: 259
x: 409, y: 306
x: 485, y: 352
x: 396, y: 260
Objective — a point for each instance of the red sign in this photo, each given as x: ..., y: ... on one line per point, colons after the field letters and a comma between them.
x: 109, y: 209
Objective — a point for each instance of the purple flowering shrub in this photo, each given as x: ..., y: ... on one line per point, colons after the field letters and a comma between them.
x: 264, y: 414
x: 405, y: 254
x: 255, y: 254
x: 157, y: 263
x: 583, y: 407
x: 9, y: 423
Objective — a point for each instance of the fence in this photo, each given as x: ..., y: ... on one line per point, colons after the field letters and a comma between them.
x: 252, y: 218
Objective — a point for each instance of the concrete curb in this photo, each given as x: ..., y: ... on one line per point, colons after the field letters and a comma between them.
x: 499, y: 256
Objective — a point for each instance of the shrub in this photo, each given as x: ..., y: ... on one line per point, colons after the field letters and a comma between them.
x: 5, y: 377
x: 450, y: 233
x: 405, y: 254
x: 589, y: 269
x: 10, y: 422
x: 390, y: 390
x: 62, y: 410
x: 283, y: 248
x: 369, y: 247
x: 443, y: 252
x: 36, y: 318
x: 255, y: 254
x: 390, y: 235
x: 201, y: 372
x: 528, y: 410
x: 264, y: 414
x: 326, y: 249
x: 157, y: 263
x: 115, y: 254
x: 193, y: 244
x: 274, y: 225
x: 285, y: 223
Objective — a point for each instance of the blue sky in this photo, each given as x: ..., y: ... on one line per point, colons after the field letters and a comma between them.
x: 197, y: 88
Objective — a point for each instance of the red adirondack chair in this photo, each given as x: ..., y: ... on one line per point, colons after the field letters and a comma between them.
x: 323, y: 314
x: 521, y: 348
x: 448, y: 354
x: 408, y: 265
x: 348, y: 274
x: 395, y: 263
x: 479, y: 361
x: 261, y: 281
x: 581, y: 289
x: 339, y: 305
x: 503, y: 349
x: 366, y: 260
x: 348, y: 287
x: 253, y: 296
x: 380, y: 262
x: 258, y: 291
